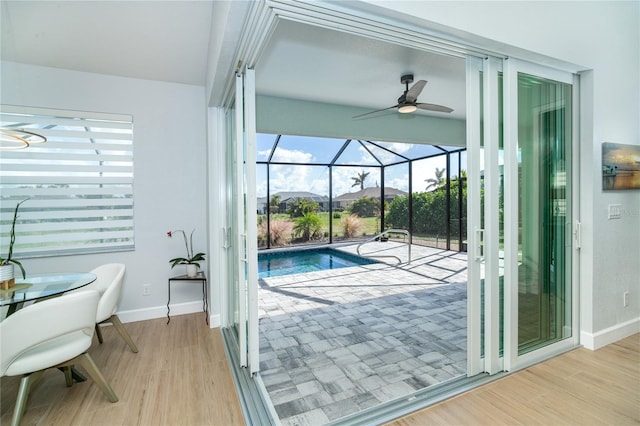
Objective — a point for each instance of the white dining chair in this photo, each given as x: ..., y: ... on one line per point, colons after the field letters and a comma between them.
x: 55, y: 333
x: 109, y: 284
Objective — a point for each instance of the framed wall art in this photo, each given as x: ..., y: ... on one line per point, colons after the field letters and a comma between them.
x: 620, y: 166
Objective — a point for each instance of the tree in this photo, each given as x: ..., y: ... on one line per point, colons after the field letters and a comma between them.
x: 436, y: 182
x: 274, y: 204
x: 359, y: 179
x: 300, y: 206
x: 308, y: 227
x: 366, y: 207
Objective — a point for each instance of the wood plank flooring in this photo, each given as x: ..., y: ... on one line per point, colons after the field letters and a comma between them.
x: 181, y: 377
x: 581, y: 387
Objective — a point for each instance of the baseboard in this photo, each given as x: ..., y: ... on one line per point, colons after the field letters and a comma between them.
x: 161, y: 312
x: 609, y: 335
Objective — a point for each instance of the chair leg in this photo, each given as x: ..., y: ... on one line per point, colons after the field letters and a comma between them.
x: 87, y: 362
x: 67, y: 376
x: 23, y: 395
x: 99, y: 333
x: 123, y: 332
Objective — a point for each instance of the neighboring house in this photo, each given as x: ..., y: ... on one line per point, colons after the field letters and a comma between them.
x: 344, y: 201
x: 287, y: 197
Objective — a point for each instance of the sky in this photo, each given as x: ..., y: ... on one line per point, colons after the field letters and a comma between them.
x: 309, y: 150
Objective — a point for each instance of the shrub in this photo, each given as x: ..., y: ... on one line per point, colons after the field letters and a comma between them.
x: 337, y: 215
x: 280, y: 231
x: 308, y: 227
x: 351, y: 225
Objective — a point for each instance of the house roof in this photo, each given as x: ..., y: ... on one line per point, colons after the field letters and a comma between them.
x: 372, y: 192
x: 292, y: 195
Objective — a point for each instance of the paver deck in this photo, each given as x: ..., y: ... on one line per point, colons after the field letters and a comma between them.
x: 339, y: 341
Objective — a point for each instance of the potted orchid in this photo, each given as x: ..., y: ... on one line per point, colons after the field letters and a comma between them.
x: 6, y: 263
x: 192, y: 260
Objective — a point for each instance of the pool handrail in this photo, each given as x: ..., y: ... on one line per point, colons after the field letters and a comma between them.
x: 388, y: 231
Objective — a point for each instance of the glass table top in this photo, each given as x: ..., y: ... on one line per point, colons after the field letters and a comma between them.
x: 39, y: 286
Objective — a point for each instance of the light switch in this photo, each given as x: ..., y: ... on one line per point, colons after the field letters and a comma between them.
x: 615, y: 211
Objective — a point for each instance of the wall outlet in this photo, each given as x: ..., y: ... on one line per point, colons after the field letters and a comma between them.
x: 146, y: 290
x: 614, y: 211
x: 625, y: 299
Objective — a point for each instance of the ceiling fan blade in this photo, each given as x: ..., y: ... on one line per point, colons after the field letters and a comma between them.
x: 433, y: 107
x: 415, y: 90
x: 371, y: 112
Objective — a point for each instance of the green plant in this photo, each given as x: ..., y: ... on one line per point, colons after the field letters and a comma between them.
x: 366, y: 207
x: 12, y: 239
x: 308, y: 227
x: 300, y: 206
x: 191, y: 258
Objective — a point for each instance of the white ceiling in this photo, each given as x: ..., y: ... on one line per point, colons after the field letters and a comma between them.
x: 306, y: 62
x: 169, y: 41
x: 166, y: 41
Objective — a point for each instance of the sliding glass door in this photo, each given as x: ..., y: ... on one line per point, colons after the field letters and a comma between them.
x: 240, y: 234
x: 521, y: 299
x: 539, y: 298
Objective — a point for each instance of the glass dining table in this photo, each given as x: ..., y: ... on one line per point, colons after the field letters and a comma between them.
x: 42, y: 286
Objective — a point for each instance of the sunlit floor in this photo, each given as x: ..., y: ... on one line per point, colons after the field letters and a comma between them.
x: 336, y: 342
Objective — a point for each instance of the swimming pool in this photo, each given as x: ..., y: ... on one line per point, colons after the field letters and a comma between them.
x: 275, y: 264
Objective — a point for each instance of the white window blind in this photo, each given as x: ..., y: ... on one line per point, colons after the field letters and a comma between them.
x: 79, y: 184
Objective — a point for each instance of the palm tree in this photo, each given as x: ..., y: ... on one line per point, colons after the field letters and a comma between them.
x: 359, y: 179
x: 274, y: 204
x: 436, y: 182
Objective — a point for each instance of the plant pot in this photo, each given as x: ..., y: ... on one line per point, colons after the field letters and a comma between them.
x: 192, y: 270
x: 7, y: 277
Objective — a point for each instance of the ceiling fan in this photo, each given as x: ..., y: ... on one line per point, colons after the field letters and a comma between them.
x: 408, y: 102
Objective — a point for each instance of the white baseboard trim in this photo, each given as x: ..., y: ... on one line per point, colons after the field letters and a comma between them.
x: 609, y: 335
x: 161, y: 312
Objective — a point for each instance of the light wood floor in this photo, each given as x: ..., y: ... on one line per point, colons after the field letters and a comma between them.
x: 181, y: 377
x: 581, y: 387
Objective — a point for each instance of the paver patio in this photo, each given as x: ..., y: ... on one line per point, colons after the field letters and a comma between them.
x: 339, y: 341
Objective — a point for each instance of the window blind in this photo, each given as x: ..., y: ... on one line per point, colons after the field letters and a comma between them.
x: 78, y: 185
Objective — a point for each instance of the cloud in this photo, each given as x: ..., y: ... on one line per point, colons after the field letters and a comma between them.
x: 293, y: 177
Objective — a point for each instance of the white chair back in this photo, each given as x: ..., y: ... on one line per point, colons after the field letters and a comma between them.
x: 47, y: 333
x: 108, y: 283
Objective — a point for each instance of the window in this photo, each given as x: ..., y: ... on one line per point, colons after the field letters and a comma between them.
x: 79, y: 184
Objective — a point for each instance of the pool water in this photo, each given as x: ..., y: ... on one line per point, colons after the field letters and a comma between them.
x: 301, y: 261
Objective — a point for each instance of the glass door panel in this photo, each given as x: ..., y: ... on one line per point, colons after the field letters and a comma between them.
x: 544, y: 135
x: 233, y: 310
x: 241, y: 231
x: 538, y: 244
x: 475, y: 220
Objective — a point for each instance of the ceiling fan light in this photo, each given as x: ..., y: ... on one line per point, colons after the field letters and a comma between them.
x: 406, y: 109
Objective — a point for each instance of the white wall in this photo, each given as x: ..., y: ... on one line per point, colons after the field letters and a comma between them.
x: 603, y: 38
x: 169, y: 174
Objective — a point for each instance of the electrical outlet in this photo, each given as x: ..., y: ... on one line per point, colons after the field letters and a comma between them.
x: 625, y: 299
x: 146, y: 290
x: 615, y: 211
